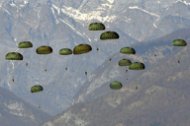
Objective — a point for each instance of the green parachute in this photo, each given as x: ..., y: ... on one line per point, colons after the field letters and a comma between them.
x: 82, y: 48
x: 65, y: 51
x: 109, y: 35
x: 137, y: 66
x: 44, y: 50
x: 124, y: 62
x: 25, y: 44
x: 96, y: 26
x: 179, y: 42
x: 13, y: 56
x: 127, y: 50
x: 115, y: 85
x: 36, y: 88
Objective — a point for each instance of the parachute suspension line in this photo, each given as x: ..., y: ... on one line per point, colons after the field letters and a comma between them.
x: 10, y: 74
x: 15, y: 40
x: 182, y: 55
x: 13, y: 66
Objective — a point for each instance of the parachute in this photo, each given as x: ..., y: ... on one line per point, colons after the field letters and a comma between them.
x: 36, y: 88
x: 179, y: 42
x: 13, y: 56
x: 109, y: 35
x: 44, y: 50
x: 127, y: 50
x: 96, y: 26
x: 25, y: 44
x: 65, y: 51
x: 82, y: 48
x: 137, y: 66
x: 116, y: 85
x: 124, y: 62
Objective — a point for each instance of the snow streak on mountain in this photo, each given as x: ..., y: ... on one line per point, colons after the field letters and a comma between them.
x: 15, y: 111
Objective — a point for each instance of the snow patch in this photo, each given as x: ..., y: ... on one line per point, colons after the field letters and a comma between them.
x: 114, y: 101
x: 135, y: 105
x: 76, y: 14
x: 147, y: 12
x: 153, y: 89
x: 56, y: 8
x: 178, y: 76
x: 183, y: 1
x: 49, y: 124
x: 80, y: 122
x: 18, y: 109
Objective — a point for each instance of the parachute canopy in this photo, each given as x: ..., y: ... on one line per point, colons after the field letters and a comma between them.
x: 25, y: 44
x: 179, y: 42
x: 65, y: 51
x: 124, y: 62
x: 13, y: 56
x: 127, y: 50
x: 115, y: 85
x: 109, y: 35
x: 96, y: 26
x: 82, y: 48
x: 137, y: 66
x: 36, y: 88
x: 44, y: 50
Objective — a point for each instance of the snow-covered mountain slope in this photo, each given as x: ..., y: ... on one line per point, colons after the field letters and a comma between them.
x: 156, y: 96
x: 14, y: 111
x: 65, y: 24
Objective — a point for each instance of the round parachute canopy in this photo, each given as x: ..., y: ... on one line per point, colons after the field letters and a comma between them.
x: 44, y: 50
x: 115, y: 85
x: 127, y: 50
x: 13, y: 56
x: 65, y: 51
x: 137, y: 66
x: 25, y: 44
x: 36, y: 88
x: 109, y: 35
x: 179, y: 42
x: 124, y: 62
x: 82, y: 48
x: 96, y: 26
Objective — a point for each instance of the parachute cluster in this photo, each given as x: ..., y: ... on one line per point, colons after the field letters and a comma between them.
x: 127, y: 62
x: 45, y: 49
x: 85, y: 48
x: 125, y: 50
x: 138, y: 65
x: 98, y: 26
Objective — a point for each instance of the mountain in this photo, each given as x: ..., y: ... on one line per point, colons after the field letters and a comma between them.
x: 65, y: 23
x: 150, y: 53
x: 15, y: 111
x: 156, y: 96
